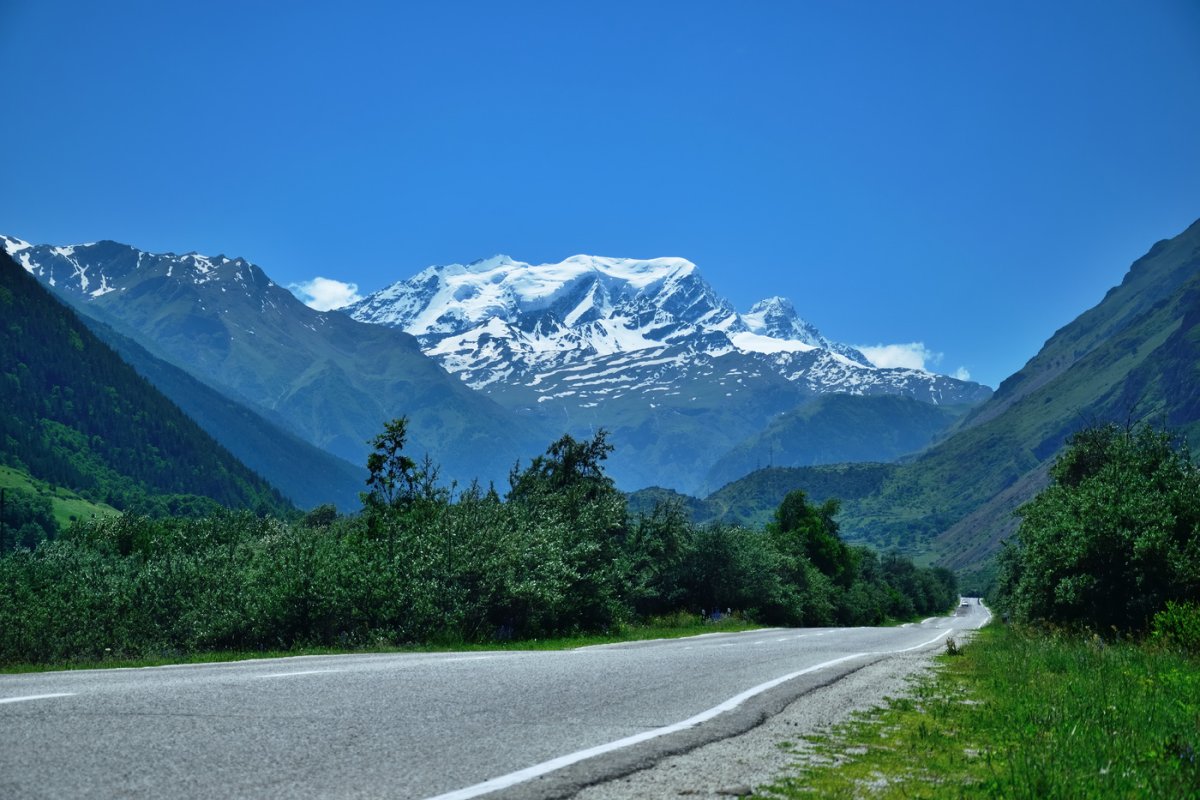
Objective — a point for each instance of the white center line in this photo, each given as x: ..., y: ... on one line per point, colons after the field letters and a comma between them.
x: 35, y: 697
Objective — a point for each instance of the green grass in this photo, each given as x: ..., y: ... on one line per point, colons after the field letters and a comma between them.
x: 673, y: 627
x: 67, y: 506
x: 1023, y: 715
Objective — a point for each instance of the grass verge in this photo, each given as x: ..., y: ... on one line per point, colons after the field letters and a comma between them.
x: 673, y: 627
x: 1018, y: 714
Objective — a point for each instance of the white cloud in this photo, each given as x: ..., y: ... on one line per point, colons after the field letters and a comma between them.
x: 910, y: 355
x: 962, y: 373
x: 324, y: 294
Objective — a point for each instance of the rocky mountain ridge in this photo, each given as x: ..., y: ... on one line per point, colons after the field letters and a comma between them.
x: 591, y: 326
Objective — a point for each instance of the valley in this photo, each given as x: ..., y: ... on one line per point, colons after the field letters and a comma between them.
x: 604, y: 401
x: 492, y: 359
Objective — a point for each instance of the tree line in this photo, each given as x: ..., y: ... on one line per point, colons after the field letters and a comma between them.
x: 559, y: 554
x: 1112, y: 546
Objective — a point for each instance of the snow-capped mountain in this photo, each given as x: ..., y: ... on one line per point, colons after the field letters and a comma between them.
x: 96, y: 268
x: 321, y: 375
x: 646, y: 349
x: 630, y: 325
x: 643, y: 348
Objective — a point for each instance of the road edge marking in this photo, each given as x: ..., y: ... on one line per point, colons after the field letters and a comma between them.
x: 537, y: 770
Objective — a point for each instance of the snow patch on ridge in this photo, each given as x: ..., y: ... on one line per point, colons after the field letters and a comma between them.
x: 13, y: 245
x: 758, y: 343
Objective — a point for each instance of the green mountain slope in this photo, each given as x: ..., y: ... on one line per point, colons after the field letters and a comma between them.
x: 1151, y: 280
x: 76, y: 415
x: 1149, y: 371
x: 35, y: 510
x: 1133, y: 356
x: 838, y: 428
x: 752, y: 499
x: 306, y: 474
x: 331, y: 380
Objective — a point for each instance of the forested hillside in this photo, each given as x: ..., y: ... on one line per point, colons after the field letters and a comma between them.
x: 74, y: 414
x: 306, y: 474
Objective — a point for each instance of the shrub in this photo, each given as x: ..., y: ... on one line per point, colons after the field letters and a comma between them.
x: 1113, y: 539
x: 1177, y: 627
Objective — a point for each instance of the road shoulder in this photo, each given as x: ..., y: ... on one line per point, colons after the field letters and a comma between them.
x: 737, y: 765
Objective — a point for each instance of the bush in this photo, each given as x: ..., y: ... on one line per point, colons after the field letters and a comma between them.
x: 1177, y: 627
x: 1113, y: 539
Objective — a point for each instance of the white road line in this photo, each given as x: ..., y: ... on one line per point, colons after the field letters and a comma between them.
x: 918, y: 646
x: 294, y: 674
x: 467, y: 658
x: 520, y: 776
x: 35, y: 697
x: 537, y: 770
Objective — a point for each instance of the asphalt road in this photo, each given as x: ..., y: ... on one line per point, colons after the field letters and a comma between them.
x: 528, y: 724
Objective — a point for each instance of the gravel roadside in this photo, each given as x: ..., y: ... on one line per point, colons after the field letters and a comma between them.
x: 735, y: 766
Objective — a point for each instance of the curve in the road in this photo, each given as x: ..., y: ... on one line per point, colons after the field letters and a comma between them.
x: 546, y: 767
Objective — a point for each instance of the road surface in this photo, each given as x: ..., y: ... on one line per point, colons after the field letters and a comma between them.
x: 505, y: 724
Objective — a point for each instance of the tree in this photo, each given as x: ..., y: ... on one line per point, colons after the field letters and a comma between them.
x: 392, y: 475
x: 1113, y: 538
x: 568, y: 465
x: 656, y: 551
x: 25, y: 519
x: 803, y: 530
x: 572, y: 515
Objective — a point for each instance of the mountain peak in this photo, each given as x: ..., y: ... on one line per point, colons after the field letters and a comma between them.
x: 774, y: 304
x: 776, y: 317
x: 502, y: 321
x: 488, y: 264
x: 13, y: 245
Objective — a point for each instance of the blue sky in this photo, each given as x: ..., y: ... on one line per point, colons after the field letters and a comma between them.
x: 966, y: 175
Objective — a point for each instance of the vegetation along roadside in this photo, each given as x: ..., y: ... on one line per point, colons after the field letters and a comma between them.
x: 428, y: 565
x: 1023, y: 713
x: 1093, y: 690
